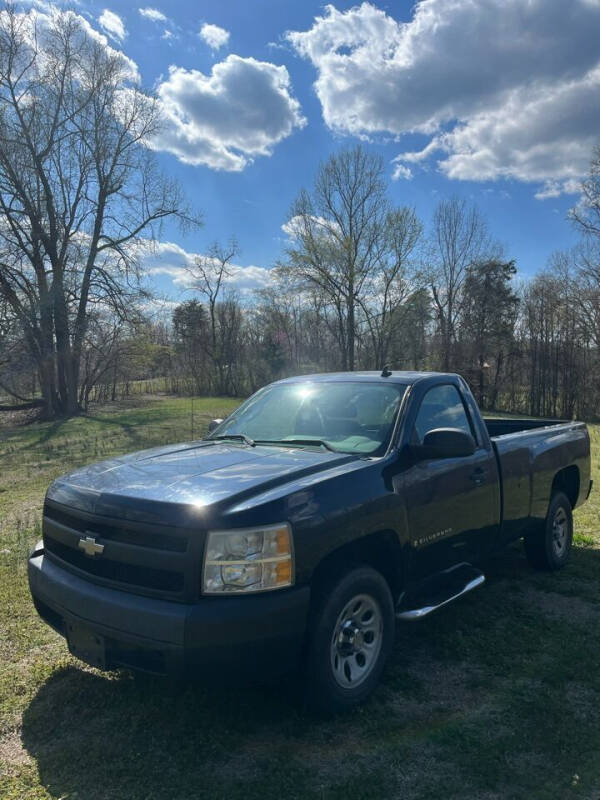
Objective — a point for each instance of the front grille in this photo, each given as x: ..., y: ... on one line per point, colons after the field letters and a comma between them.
x: 117, y: 533
x: 118, y: 571
x: 138, y: 557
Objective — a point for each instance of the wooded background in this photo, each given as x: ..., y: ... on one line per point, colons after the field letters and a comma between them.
x: 361, y: 283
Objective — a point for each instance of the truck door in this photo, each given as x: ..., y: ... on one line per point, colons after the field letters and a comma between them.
x: 451, y: 502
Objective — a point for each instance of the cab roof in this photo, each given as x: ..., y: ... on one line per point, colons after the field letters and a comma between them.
x: 405, y: 377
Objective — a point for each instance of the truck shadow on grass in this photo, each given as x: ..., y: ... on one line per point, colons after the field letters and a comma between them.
x: 496, y: 693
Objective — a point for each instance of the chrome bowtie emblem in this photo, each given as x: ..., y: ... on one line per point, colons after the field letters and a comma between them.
x: 90, y: 546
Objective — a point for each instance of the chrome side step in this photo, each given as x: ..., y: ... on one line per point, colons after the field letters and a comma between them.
x: 439, y: 590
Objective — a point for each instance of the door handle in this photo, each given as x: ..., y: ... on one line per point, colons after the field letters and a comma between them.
x: 478, y: 476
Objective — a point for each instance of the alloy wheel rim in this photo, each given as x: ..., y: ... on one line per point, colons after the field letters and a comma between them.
x: 356, y: 641
x: 560, y: 532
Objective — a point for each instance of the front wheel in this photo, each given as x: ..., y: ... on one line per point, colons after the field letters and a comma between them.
x: 550, y: 546
x: 350, y: 638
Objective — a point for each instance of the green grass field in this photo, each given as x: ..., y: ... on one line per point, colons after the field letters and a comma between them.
x: 495, y: 696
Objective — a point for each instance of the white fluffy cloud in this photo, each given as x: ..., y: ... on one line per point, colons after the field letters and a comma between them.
x: 214, y: 36
x: 168, y: 258
x: 225, y: 119
x: 556, y: 188
x: 500, y: 89
x: 401, y: 171
x: 319, y: 226
x: 112, y: 24
x: 152, y: 14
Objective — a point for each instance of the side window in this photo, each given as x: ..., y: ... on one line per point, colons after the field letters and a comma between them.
x: 441, y: 407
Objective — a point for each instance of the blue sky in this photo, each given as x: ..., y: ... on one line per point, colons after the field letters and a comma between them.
x: 497, y: 101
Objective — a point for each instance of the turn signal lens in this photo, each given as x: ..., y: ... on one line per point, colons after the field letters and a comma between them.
x: 248, y: 560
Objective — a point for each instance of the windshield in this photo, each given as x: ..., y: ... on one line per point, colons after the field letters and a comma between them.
x: 345, y: 416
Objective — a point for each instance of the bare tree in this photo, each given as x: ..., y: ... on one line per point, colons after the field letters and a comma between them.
x: 586, y: 214
x: 78, y: 188
x: 338, y: 232
x: 101, y: 354
x: 459, y: 239
x: 389, y: 287
x: 350, y: 249
x: 208, y: 276
x: 586, y: 255
x: 280, y: 309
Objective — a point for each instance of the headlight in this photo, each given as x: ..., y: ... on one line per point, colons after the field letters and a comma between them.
x: 248, y: 560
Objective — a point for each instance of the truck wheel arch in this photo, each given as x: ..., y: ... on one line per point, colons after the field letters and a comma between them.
x: 381, y: 550
x: 567, y: 480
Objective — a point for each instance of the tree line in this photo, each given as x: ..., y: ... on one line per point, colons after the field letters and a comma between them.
x: 529, y: 346
x: 362, y: 282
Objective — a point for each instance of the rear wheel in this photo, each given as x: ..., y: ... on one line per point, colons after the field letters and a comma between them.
x: 350, y: 637
x: 549, y: 547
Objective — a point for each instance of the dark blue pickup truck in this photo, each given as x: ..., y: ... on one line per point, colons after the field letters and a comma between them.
x: 320, y: 512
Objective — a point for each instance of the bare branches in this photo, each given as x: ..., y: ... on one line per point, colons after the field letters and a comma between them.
x: 586, y: 214
x: 459, y: 239
x: 208, y: 276
x: 349, y: 245
x: 208, y: 271
x: 79, y: 191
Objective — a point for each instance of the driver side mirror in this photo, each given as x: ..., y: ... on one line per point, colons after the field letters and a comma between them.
x: 214, y: 423
x: 445, y: 443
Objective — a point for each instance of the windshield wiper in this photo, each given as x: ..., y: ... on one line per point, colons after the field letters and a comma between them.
x: 308, y: 442
x: 239, y: 436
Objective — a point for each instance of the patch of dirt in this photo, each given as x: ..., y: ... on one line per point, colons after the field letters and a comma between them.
x: 16, y: 419
x: 12, y: 751
x: 450, y: 685
x: 562, y: 607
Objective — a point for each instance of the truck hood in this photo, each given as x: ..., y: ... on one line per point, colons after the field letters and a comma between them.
x: 197, y: 474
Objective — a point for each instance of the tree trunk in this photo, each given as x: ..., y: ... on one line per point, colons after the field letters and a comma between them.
x: 67, y: 377
x: 350, y: 335
x: 480, y: 399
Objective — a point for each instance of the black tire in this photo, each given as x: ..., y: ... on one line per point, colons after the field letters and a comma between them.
x: 361, y: 641
x: 549, y: 546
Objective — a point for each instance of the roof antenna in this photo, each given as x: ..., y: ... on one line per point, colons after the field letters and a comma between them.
x: 386, y: 371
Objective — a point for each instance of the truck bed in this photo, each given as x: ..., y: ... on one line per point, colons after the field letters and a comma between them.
x: 530, y: 453
x: 501, y: 426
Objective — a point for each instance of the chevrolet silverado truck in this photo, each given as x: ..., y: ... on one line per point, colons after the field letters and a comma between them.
x: 325, y: 509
